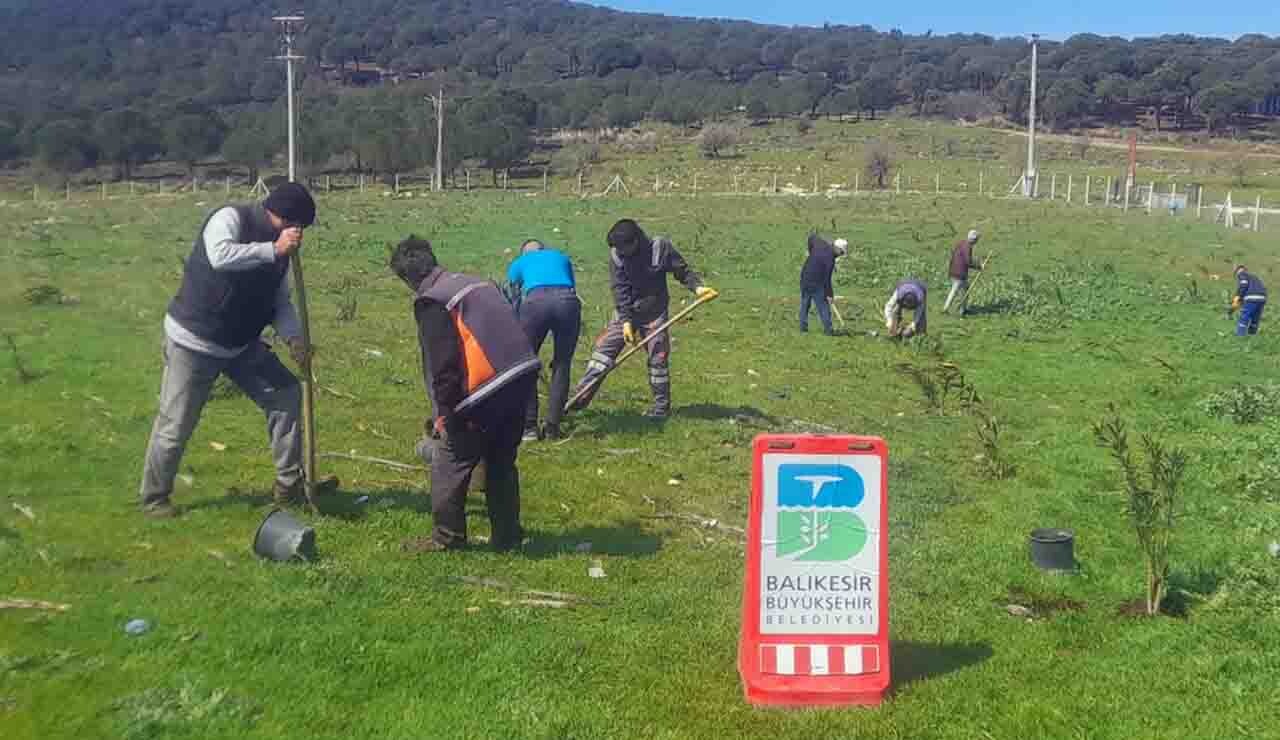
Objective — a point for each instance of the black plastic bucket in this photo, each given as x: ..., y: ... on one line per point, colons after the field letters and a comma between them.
x: 1053, y: 549
x: 282, y: 537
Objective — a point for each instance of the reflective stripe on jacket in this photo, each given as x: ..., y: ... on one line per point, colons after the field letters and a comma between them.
x: 493, y: 348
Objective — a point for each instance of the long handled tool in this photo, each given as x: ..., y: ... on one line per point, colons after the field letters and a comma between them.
x: 969, y: 291
x: 836, y: 312
x: 308, y: 386
x: 640, y: 345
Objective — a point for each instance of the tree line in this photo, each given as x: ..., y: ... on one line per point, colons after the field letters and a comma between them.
x: 125, y: 81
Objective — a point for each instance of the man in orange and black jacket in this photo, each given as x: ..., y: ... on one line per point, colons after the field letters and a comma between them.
x: 480, y: 370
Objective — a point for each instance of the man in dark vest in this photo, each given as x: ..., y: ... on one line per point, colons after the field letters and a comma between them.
x: 481, y: 370
x: 234, y: 285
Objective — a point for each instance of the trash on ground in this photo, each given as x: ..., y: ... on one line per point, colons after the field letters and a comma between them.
x: 137, y: 627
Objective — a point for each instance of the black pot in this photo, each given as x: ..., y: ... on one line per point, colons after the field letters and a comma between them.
x: 1053, y: 549
x: 282, y: 537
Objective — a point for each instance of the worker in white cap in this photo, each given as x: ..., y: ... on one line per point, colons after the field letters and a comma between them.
x: 815, y: 280
x: 962, y: 260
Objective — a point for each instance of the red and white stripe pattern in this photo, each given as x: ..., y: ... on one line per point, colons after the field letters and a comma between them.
x: 819, y: 660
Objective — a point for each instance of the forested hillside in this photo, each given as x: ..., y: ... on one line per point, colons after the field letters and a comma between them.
x: 125, y: 81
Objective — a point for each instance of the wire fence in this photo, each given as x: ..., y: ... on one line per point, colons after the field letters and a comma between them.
x: 1190, y: 201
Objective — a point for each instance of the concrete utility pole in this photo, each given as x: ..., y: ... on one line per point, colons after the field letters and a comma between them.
x: 289, y: 27
x: 437, y: 183
x: 1029, y: 177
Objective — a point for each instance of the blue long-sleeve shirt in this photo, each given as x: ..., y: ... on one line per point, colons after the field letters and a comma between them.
x: 545, y: 268
x: 1250, y: 287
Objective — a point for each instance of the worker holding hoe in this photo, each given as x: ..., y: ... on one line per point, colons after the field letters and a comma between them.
x: 908, y: 295
x: 548, y: 304
x: 962, y: 261
x: 1249, y: 300
x: 233, y: 285
x: 815, y: 280
x: 481, y: 371
x: 638, y: 268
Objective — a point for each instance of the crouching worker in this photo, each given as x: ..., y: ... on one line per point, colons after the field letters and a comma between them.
x: 908, y: 295
x: 234, y: 283
x: 549, y: 304
x: 1249, y: 300
x: 638, y: 268
x: 481, y: 370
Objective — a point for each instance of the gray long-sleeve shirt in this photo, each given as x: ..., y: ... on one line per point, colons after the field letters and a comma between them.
x: 226, y: 252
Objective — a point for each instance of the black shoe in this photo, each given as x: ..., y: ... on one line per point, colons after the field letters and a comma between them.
x: 160, y: 509
x: 551, y: 431
x: 657, y: 414
x: 530, y: 435
x: 296, y: 493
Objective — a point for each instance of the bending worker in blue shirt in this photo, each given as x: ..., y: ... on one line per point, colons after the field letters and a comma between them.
x: 1250, y: 298
x: 548, y: 303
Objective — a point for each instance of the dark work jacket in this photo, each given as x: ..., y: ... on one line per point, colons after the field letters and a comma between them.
x: 472, y: 344
x: 229, y: 307
x: 962, y: 260
x: 818, y: 266
x: 639, y: 282
x: 1250, y: 287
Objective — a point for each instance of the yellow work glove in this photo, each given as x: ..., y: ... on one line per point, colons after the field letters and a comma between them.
x: 1235, y: 303
x: 628, y: 332
x: 706, y: 292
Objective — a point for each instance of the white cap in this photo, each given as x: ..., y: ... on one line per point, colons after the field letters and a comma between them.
x: 973, y: 235
x: 841, y: 244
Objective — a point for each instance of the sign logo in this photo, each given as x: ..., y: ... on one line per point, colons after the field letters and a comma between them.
x: 816, y: 517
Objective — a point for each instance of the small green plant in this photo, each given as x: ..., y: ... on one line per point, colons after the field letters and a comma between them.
x: 994, y: 463
x: 1153, y: 497
x: 1244, y: 404
x: 43, y: 295
x: 164, y: 711
x: 942, y: 384
x: 348, y: 306
x: 24, y: 375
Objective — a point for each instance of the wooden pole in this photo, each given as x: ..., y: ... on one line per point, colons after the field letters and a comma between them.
x: 1199, y: 201
x: 1126, y: 198
x: 328, y: 184
x: 657, y: 183
x: 981, y: 177
x: 856, y: 181
x: 1151, y: 195
x: 1106, y: 198
x: 652, y: 335
x: 1053, y: 187
x: 68, y: 190
x: 815, y: 183
x: 1257, y: 209
x: 104, y: 190
x: 1088, y: 185
x: 937, y: 182
x: 897, y: 184
x: 469, y: 181
x: 397, y: 183
x: 544, y: 179
x: 1071, y: 181
x: 735, y: 183
x: 775, y: 184
x: 131, y: 188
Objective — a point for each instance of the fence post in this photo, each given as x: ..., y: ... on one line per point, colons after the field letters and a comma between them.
x: 1199, y: 201
x: 544, y: 179
x: 1106, y: 198
x: 1151, y: 195
x: 657, y: 183
x: 735, y: 183
x: 104, y: 190
x: 579, y: 182
x: 131, y: 188
x: 1257, y: 208
x: 1071, y: 181
x: 469, y: 181
x: 815, y: 183
x: 1053, y: 187
x: 35, y: 193
x: 775, y: 183
x: 397, y: 183
x: 1126, y: 196
x: 981, y: 177
x: 68, y: 190
x: 897, y: 184
x: 1035, y: 186
x: 857, y: 182
x: 937, y: 182
x: 1088, y: 185
x: 228, y: 187
x: 506, y: 177
x: 328, y: 184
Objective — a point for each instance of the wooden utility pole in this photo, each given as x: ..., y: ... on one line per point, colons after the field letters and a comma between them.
x: 289, y: 24
x: 437, y: 182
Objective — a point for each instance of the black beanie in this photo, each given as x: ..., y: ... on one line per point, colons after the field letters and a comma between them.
x: 293, y: 203
x: 627, y: 237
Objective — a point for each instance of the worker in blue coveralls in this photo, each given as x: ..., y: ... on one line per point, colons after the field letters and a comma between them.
x: 1250, y: 298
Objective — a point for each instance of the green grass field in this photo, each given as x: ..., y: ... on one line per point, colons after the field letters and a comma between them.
x: 1082, y: 309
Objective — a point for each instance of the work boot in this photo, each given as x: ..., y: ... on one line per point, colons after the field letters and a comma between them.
x: 658, y: 414
x: 296, y: 493
x: 160, y: 509
x: 551, y: 431
x: 530, y: 435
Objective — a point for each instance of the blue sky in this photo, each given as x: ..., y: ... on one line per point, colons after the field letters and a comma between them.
x: 1053, y: 20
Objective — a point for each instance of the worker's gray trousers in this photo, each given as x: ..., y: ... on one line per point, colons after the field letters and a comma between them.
x: 610, y: 344
x: 959, y: 289
x: 184, y: 389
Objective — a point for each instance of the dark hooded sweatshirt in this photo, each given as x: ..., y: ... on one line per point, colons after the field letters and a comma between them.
x: 640, y: 281
x: 816, y: 274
